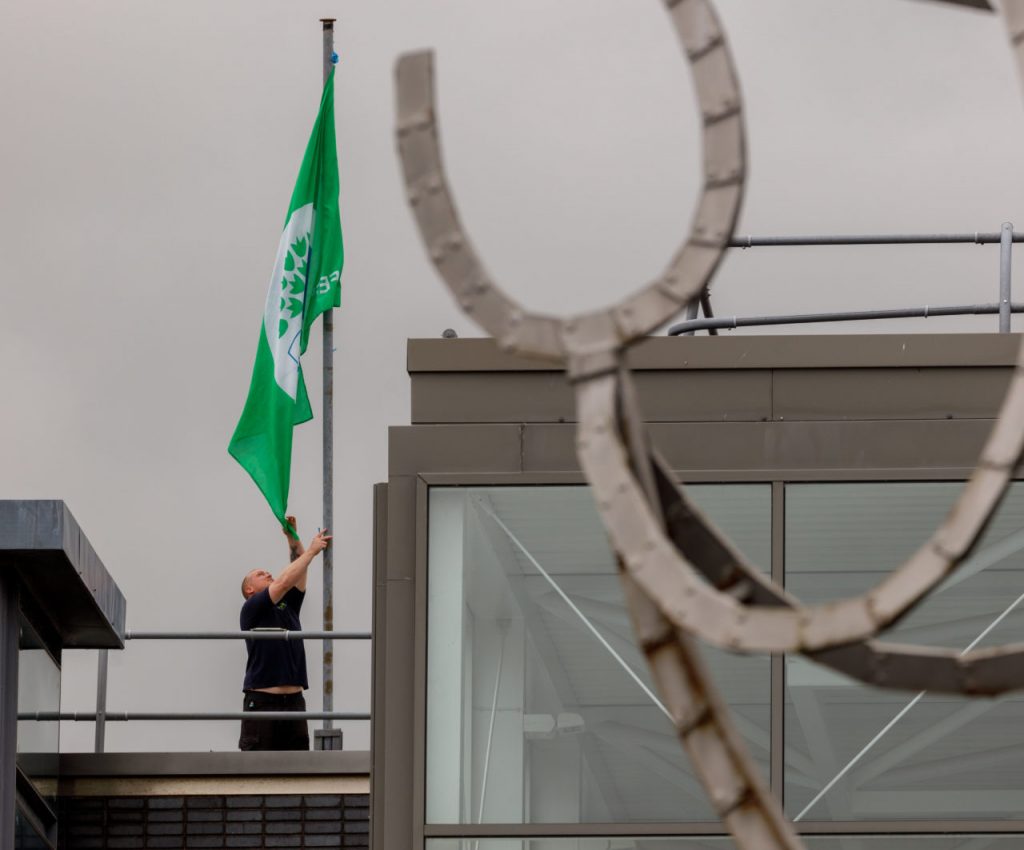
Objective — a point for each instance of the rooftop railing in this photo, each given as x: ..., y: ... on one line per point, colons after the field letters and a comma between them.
x: 1004, y: 308
x: 102, y: 715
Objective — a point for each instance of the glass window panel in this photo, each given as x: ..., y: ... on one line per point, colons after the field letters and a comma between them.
x: 904, y: 756
x: 38, y: 690
x: 540, y: 708
x: 25, y: 836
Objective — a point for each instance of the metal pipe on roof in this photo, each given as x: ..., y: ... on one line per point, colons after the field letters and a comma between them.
x: 705, y: 305
x: 101, y: 701
x: 1005, y: 257
x: 976, y: 238
x: 845, y: 316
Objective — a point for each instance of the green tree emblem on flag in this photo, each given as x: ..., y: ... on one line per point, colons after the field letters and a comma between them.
x: 293, y: 283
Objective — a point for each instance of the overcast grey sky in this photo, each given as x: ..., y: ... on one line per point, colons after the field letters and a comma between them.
x: 148, y: 154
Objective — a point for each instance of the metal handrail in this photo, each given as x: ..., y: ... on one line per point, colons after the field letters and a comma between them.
x: 976, y: 238
x: 53, y: 716
x: 249, y: 635
x: 728, y: 322
x: 1005, y: 238
x: 101, y: 715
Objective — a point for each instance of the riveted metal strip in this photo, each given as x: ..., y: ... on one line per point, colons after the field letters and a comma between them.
x: 446, y: 241
x: 716, y: 749
x: 669, y: 574
x: 696, y: 605
x: 987, y: 672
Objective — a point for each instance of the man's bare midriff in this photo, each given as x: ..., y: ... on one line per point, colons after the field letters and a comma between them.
x: 280, y: 689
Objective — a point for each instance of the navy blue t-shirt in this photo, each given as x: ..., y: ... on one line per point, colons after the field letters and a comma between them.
x: 273, y: 663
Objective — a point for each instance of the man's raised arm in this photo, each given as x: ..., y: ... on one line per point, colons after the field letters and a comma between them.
x: 294, y: 575
x: 295, y: 548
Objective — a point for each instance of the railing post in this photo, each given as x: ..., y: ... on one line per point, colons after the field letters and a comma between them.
x: 101, y: 702
x: 1005, y: 256
x: 691, y: 314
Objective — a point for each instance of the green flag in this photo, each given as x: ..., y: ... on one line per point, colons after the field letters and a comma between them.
x: 306, y: 281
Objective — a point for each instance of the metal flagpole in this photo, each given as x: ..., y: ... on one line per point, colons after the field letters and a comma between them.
x: 328, y: 738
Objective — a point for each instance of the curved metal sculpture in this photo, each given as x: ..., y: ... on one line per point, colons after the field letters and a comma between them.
x: 682, y: 579
x: 588, y: 342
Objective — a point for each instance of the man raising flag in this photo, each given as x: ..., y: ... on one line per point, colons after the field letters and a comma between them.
x: 306, y: 281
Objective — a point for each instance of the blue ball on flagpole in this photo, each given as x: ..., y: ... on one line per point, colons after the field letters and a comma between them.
x: 334, y: 58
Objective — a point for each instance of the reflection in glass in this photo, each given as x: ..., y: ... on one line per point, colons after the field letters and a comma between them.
x: 38, y: 690
x: 540, y: 708
x: 25, y: 837
x: 891, y: 754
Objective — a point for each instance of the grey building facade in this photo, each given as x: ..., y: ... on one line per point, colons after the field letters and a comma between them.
x: 55, y: 593
x: 511, y: 708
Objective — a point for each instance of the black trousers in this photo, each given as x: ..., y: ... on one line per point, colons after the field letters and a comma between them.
x: 258, y: 734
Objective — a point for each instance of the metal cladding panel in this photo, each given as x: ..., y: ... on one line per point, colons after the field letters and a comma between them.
x: 550, y: 447
x: 744, y: 351
x: 710, y: 379
x: 450, y: 397
x: 42, y: 542
x: 790, y: 445
x: 667, y: 396
x: 867, y: 445
x: 378, y: 740
x: 399, y: 561
x: 940, y: 393
x: 398, y: 755
x: 453, y: 448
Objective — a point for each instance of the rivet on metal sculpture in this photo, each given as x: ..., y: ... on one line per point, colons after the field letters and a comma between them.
x: 682, y: 578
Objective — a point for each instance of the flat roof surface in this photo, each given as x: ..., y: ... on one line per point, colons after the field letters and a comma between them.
x: 43, y: 544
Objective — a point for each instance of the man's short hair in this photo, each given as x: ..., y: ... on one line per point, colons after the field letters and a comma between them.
x: 245, y: 583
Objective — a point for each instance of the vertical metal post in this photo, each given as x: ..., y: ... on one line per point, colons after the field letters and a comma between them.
x: 101, y: 702
x: 9, y: 628
x: 328, y: 452
x: 1005, y: 255
x: 691, y: 314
